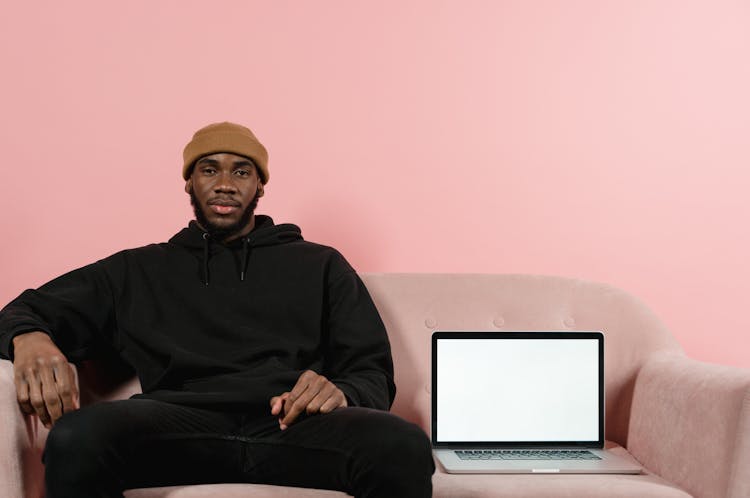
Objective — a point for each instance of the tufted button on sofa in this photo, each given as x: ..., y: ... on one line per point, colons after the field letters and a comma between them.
x: 686, y: 422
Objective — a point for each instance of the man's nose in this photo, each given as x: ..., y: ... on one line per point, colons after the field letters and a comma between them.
x: 225, y: 183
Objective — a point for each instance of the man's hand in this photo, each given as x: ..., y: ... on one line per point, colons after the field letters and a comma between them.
x: 312, y: 394
x: 45, y: 383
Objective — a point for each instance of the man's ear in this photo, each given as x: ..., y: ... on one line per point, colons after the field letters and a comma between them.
x: 261, y: 190
x: 188, y: 185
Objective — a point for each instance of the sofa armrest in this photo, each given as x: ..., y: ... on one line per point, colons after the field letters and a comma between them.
x: 21, y: 443
x: 690, y: 424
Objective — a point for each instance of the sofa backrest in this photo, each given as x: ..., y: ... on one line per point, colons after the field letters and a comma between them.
x: 414, y: 305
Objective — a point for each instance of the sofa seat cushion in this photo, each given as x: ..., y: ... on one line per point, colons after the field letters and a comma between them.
x: 646, y: 485
x: 232, y: 491
x: 445, y: 485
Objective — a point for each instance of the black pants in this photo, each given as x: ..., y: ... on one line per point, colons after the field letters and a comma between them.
x: 103, y: 449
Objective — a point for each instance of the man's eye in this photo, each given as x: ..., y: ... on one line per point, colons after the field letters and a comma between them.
x: 242, y: 172
x: 208, y: 171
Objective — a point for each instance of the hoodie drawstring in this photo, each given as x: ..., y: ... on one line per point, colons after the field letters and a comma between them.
x: 205, y: 257
x: 243, y: 263
x: 244, y: 259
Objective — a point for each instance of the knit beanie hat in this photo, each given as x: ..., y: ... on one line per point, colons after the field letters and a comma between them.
x: 225, y: 137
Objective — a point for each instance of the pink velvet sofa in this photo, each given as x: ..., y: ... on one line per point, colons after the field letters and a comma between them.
x: 686, y: 422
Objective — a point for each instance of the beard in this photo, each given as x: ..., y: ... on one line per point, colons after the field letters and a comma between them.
x: 222, y: 232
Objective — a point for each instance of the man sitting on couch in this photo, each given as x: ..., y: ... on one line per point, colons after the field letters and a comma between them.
x: 261, y: 356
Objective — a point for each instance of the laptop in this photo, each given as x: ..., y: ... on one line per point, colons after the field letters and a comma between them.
x: 520, y: 402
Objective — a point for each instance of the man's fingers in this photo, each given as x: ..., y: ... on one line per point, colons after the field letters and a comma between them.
x: 313, y: 393
x: 299, y: 404
x: 22, y: 393
x: 49, y: 393
x: 75, y: 390
x: 302, y: 383
x: 277, y: 403
x: 45, y: 382
x: 323, y: 395
x: 36, y: 398
x: 292, y: 410
x: 66, y: 386
x: 338, y: 400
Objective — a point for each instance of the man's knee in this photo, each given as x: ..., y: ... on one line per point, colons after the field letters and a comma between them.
x: 403, y: 446
x: 390, y: 445
x: 392, y: 457
x: 83, y: 442
x: 67, y: 438
x: 86, y: 450
x: 68, y: 457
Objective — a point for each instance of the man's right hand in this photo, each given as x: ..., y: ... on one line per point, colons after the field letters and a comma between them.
x: 45, y: 383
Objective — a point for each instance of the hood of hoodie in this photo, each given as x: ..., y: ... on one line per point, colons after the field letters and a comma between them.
x: 266, y: 233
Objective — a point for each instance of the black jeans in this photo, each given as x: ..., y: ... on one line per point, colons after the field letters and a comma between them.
x: 103, y: 449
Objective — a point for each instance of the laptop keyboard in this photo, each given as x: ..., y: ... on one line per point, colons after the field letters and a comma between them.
x: 526, y: 455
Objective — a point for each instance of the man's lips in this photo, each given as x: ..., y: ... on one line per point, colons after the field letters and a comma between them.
x: 223, y: 206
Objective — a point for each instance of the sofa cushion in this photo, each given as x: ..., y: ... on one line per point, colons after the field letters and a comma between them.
x: 445, y: 485
x: 232, y: 491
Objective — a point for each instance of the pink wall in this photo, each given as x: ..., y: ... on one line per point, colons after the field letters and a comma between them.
x: 603, y: 140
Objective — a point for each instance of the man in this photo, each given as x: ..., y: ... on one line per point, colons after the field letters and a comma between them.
x: 261, y: 356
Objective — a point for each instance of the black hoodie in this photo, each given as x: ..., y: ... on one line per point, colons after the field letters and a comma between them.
x: 225, y: 326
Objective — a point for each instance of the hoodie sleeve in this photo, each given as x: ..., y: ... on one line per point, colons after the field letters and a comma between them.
x: 73, y: 310
x: 358, y: 359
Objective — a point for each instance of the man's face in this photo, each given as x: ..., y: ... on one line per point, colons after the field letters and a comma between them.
x: 224, y: 189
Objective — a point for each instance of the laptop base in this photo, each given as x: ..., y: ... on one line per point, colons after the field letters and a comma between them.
x: 609, y: 464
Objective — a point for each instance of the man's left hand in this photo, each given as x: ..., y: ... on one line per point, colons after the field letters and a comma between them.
x: 312, y: 394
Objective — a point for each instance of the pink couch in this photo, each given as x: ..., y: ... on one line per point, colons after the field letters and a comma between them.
x: 686, y: 422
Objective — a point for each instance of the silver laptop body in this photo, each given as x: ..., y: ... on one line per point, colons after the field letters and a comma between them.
x: 520, y: 402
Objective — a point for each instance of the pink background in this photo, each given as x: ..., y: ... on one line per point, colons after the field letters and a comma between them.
x: 602, y: 140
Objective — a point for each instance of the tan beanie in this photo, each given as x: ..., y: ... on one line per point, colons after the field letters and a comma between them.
x: 225, y: 137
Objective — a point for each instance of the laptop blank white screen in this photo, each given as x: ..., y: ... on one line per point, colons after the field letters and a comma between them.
x: 517, y: 390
